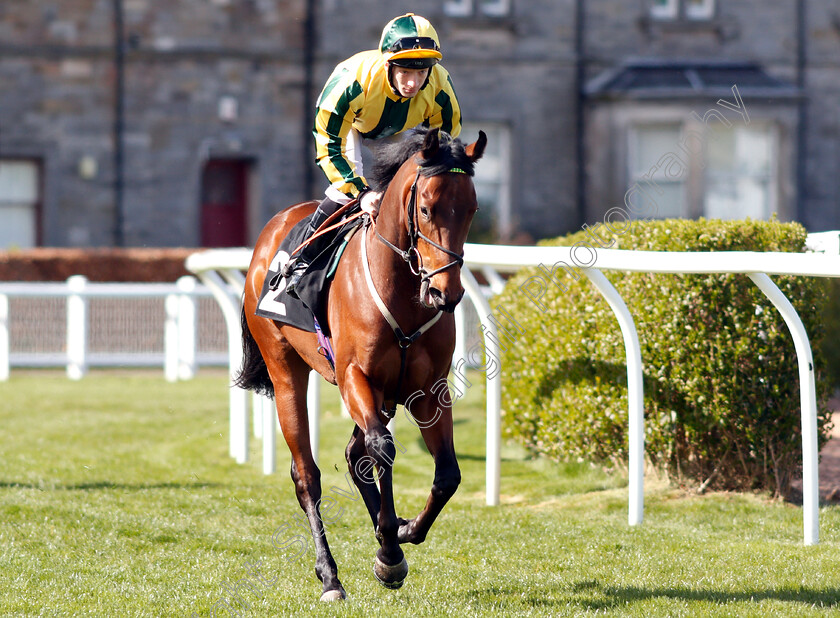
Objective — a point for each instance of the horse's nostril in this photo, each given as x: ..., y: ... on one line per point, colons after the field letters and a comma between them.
x: 438, y: 298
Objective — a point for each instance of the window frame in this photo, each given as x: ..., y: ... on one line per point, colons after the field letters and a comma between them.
x: 767, y: 179
x: 709, y: 8
x: 670, y: 11
x: 638, y: 172
x: 503, y: 222
x: 682, y: 10
x: 37, y: 203
x: 491, y: 9
x: 698, y: 173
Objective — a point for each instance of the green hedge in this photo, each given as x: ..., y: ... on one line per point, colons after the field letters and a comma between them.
x: 830, y: 348
x: 722, y: 406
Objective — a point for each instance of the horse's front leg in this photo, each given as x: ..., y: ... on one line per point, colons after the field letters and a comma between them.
x: 390, y: 566
x: 435, y: 422
x: 355, y: 454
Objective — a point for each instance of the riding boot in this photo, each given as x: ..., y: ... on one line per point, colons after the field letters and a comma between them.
x: 297, y: 266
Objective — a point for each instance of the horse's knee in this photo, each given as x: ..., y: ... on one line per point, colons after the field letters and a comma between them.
x: 447, y: 481
x: 380, y: 446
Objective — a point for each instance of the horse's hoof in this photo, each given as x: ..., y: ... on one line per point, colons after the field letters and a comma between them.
x: 333, y: 595
x: 390, y: 576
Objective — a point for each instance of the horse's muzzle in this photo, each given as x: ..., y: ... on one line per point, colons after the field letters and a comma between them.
x: 436, y: 299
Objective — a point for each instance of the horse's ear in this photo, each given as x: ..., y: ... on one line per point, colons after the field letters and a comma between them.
x: 431, y: 144
x: 476, y: 149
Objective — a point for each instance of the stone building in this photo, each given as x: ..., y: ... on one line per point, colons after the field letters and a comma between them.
x: 160, y: 123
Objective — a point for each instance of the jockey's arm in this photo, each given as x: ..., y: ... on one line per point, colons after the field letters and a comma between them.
x: 337, y: 150
x: 333, y: 158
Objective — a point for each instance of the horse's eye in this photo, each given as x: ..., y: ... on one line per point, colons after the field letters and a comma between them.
x: 424, y: 211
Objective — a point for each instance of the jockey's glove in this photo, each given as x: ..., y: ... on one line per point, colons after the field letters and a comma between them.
x: 369, y: 202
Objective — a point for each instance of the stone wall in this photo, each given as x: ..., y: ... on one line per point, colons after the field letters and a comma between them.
x: 57, y: 106
x: 182, y: 58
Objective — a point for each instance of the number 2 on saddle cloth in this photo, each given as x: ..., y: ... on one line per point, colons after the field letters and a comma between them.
x: 308, y: 310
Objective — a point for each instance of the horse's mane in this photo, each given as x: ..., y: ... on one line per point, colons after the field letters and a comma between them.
x: 390, y: 158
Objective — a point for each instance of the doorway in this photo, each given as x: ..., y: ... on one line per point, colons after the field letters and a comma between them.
x: 224, y: 203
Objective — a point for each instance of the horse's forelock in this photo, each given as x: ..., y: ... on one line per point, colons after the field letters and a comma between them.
x: 451, y: 154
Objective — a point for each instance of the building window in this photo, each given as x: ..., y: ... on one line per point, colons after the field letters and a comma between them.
x: 664, y: 184
x: 739, y: 173
x: 731, y: 175
x: 494, y: 220
x: 473, y: 8
x: 699, y: 9
x: 19, y: 203
x: 665, y: 9
x: 692, y: 10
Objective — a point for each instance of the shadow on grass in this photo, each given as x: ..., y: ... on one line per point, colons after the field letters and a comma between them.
x: 828, y: 597
x: 104, y: 485
x: 594, y: 596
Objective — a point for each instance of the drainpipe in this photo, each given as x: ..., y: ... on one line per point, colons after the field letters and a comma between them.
x: 309, y: 43
x: 580, y: 103
x: 802, y: 113
x: 119, y: 122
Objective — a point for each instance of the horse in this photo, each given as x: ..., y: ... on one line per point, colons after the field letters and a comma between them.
x: 390, y: 312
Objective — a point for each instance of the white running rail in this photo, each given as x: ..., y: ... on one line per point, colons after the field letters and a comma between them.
x: 178, y: 322
x: 215, y: 266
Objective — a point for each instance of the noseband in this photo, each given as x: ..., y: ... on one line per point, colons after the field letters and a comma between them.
x: 412, y: 255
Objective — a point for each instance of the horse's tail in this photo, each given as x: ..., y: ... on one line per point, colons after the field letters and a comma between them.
x: 253, y: 375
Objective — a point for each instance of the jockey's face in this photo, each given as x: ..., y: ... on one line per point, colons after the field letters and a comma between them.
x: 409, y: 81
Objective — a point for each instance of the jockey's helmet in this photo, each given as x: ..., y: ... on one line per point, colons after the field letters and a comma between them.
x: 410, y: 41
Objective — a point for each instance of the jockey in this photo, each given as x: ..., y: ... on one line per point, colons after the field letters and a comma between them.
x: 374, y: 95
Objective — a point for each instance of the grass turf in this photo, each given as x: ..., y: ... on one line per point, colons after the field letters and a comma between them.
x: 118, y: 498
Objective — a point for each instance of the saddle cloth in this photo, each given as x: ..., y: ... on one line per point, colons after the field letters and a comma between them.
x: 311, y: 303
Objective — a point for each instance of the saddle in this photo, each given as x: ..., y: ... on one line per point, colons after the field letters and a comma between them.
x: 309, y: 310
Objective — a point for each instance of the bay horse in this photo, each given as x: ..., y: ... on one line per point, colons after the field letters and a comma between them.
x: 393, y: 335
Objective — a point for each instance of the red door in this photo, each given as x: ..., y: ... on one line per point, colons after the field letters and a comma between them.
x: 224, y: 203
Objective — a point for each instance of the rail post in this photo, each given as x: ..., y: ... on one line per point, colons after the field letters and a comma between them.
x: 170, y: 338
x: 492, y: 473
x: 187, y: 327
x: 77, y: 328
x: 5, y: 347
x: 808, y: 407
x: 313, y: 408
x: 267, y: 413
x: 460, y: 333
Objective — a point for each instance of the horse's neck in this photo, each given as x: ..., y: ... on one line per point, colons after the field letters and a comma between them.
x: 391, y: 275
x: 391, y: 222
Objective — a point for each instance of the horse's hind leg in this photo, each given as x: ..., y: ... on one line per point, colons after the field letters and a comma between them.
x: 290, y: 396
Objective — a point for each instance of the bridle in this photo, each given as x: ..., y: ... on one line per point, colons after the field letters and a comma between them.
x: 412, y: 256
x: 408, y: 256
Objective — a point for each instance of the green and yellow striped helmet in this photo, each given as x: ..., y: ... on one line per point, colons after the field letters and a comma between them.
x: 410, y: 41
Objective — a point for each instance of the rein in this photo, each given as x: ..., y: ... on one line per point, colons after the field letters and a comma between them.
x: 326, y: 227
